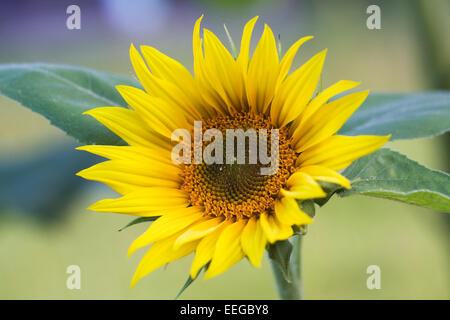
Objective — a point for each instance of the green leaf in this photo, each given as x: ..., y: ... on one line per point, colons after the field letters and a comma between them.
x: 330, y: 189
x: 139, y: 220
x: 280, y: 253
x: 308, y: 207
x: 389, y: 174
x: 405, y: 116
x: 190, y: 280
x: 62, y: 93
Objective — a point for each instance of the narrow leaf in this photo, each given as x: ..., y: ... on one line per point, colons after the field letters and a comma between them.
x: 392, y: 175
x: 138, y: 220
x: 230, y: 40
x: 190, y: 280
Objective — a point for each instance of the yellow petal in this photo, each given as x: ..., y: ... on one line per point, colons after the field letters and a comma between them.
x: 338, y: 152
x: 208, y: 91
x: 199, y: 230
x: 303, y: 186
x: 296, y: 91
x: 161, y: 253
x: 288, y: 212
x: 167, y: 225
x: 205, y: 249
x: 159, y: 115
x: 125, y: 176
x: 163, y: 88
x: 326, y: 95
x: 171, y: 70
x: 286, y: 62
x: 128, y: 125
x: 243, y: 57
x: 222, y: 72
x: 253, y: 241
x: 327, y: 120
x: 228, y: 249
x: 140, y: 68
x: 197, y: 47
x: 273, y: 228
x: 150, y: 168
x: 133, y: 153
x: 320, y: 173
x: 263, y: 72
x: 167, y: 68
x: 145, y: 202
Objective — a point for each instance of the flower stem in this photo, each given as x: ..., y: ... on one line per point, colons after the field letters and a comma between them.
x: 289, y: 289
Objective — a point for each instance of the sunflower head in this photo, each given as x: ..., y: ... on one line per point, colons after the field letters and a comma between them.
x: 224, y: 210
x: 237, y: 190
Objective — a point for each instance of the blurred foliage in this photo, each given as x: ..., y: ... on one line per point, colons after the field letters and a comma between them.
x: 42, y: 187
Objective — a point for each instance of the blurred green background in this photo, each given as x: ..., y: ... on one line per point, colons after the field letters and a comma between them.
x: 44, y: 229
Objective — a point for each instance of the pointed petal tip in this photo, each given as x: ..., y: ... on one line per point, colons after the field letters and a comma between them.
x: 84, y: 173
x: 364, y: 95
x: 195, y: 270
x: 252, y: 20
x: 134, y: 52
x: 124, y: 90
x: 199, y: 20
x: 92, y: 207
x: 346, y: 184
x: 120, y: 87
x: 302, y: 40
x: 384, y: 139
x: 207, y: 33
x: 146, y: 48
x: 130, y: 251
x: 134, y: 281
x: 267, y: 29
x: 255, y: 263
x: 99, y: 206
x: 356, y: 83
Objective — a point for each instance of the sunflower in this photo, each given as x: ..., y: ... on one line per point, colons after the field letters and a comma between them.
x: 227, y: 212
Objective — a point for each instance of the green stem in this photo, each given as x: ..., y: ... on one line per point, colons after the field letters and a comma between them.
x: 290, y: 290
